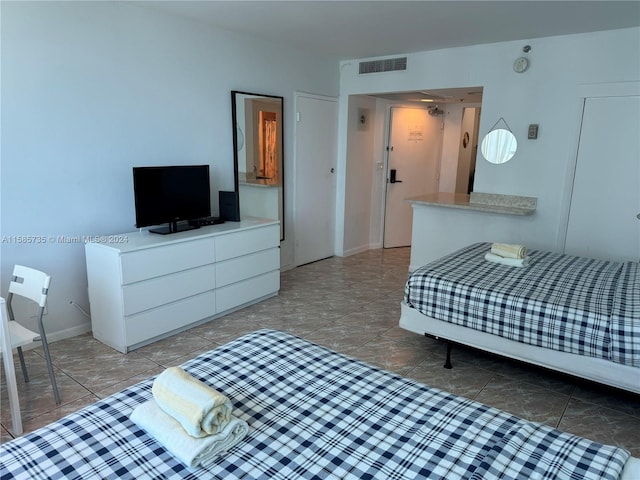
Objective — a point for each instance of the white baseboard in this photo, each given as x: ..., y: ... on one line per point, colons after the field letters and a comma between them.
x: 353, y: 251
x: 284, y: 268
x: 69, y: 332
x: 61, y: 335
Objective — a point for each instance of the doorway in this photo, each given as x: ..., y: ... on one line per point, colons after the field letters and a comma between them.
x: 367, y: 163
x: 413, y: 162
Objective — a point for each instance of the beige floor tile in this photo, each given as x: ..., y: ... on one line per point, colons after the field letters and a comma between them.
x: 46, y: 418
x: 177, y: 346
x: 464, y: 380
x: 5, y: 436
x: 602, y: 424
x: 523, y: 399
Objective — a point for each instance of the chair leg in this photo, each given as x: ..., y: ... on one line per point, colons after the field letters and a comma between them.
x: 23, y: 365
x: 52, y: 376
x: 47, y: 356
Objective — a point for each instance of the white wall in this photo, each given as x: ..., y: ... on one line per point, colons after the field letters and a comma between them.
x: 545, y: 94
x: 91, y: 89
x: 450, y: 147
x: 359, y: 171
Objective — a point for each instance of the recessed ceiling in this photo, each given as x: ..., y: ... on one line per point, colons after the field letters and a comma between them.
x: 361, y: 29
x: 437, y: 97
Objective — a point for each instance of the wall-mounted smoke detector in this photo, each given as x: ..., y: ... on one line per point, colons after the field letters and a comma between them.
x: 522, y: 63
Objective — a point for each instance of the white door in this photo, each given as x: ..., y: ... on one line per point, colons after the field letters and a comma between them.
x: 605, y: 200
x: 414, y: 147
x: 315, y: 177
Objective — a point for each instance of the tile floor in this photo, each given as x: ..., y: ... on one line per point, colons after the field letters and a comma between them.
x: 351, y: 305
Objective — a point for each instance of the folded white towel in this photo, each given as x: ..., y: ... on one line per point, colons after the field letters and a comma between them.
x: 512, y: 262
x: 189, y: 450
x: 200, y: 409
x: 508, y: 250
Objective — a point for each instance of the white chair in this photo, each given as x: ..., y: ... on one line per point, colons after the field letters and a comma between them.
x: 33, y: 285
x: 10, y: 373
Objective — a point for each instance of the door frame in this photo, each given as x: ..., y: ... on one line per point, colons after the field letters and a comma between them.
x: 385, y: 156
x: 584, y: 91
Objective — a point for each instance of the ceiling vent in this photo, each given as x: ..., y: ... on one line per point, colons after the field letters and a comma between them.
x: 387, y: 65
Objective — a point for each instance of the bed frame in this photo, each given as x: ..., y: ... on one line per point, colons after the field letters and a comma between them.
x: 591, y: 368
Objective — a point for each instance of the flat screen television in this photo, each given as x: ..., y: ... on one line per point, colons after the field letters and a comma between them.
x: 172, y: 195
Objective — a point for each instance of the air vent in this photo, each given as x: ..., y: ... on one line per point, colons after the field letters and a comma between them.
x: 387, y: 65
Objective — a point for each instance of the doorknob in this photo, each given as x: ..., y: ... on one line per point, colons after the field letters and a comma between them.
x: 392, y: 176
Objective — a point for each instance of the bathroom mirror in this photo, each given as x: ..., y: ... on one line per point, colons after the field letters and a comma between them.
x: 258, y: 155
x: 499, y: 146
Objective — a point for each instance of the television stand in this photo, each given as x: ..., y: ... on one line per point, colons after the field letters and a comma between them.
x: 152, y: 286
x: 174, y: 227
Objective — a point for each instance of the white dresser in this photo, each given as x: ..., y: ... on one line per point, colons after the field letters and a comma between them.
x: 145, y: 286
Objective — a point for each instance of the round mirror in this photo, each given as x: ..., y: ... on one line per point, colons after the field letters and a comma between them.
x: 499, y: 145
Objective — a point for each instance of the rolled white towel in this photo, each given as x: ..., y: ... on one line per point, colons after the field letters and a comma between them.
x: 512, y: 262
x: 200, y: 409
x: 508, y: 250
x: 191, y: 451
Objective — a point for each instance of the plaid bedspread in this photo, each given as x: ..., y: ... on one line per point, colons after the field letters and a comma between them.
x: 313, y: 414
x: 572, y: 304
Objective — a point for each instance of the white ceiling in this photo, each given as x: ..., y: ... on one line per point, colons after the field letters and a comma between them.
x: 360, y: 29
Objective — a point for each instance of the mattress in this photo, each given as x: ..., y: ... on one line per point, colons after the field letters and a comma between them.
x: 313, y: 414
x: 561, y: 302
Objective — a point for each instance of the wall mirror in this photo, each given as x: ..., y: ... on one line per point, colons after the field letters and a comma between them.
x: 258, y: 154
x: 499, y: 146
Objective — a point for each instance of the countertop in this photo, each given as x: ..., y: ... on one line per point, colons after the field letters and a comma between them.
x: 482, y: 202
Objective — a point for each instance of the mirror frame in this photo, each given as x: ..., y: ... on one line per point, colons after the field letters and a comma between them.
x: 234, y: 128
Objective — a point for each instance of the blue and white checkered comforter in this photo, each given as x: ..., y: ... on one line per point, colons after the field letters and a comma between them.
x: 313, y: 414
x: 572, y: 304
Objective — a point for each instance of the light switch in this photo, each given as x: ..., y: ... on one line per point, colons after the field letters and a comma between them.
x: 533, y: 131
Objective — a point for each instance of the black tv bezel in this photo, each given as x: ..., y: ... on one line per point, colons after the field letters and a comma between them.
x: 174, y: 223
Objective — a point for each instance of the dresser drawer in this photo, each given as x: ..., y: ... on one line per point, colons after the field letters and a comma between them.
x: 168, y: 288
x: 237, y: 294
x: 154, y: 262
x: 158, y: 321
x: 247, y: 241
x: 247, y: 266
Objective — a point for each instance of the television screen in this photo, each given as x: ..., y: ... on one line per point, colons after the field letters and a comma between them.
x: 171, y: 194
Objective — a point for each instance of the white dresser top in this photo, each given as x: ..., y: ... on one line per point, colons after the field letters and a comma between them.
x: 130, y: 241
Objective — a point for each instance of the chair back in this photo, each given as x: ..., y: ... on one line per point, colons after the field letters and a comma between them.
x: 30, y: 283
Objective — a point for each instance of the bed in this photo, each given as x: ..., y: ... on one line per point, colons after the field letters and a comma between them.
x: 315, y: 414
x: 575, y: 315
